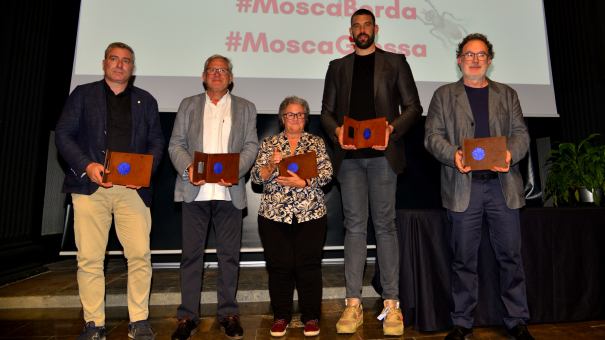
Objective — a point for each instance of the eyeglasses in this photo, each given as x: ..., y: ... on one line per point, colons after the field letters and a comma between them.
x: 291, y: 115
x: 221, y: 71
x: 471, y: 56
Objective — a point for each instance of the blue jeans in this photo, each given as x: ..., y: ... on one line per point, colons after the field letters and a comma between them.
x: 373, y: 180
x: 505, y: 236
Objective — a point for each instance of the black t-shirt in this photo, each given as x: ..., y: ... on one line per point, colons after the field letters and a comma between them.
x: 361, y: 106
x: 479, y: 100
x: 119, y: 119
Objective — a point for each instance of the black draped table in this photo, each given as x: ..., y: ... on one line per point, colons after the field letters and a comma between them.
x: 563, y: 253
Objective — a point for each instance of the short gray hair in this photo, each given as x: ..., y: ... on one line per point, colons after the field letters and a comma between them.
x: 292, y: 100
x: 218, y: 56
x: 119, y: 45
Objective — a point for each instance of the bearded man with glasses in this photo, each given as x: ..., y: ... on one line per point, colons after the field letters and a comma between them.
x: 477, y: 107
x: 212, y: 122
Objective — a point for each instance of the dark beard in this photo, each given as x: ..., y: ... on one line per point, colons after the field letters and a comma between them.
x: 365, y: 45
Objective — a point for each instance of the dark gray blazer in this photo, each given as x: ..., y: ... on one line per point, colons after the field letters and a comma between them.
x: 450, y: 120
x: 187, y: 137
x: 393, y: 86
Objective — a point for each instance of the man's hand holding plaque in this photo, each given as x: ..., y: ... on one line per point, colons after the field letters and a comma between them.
x: 369, y: 133
x: 460, y: 162
x: 191, y: 172
x: 220, y: 168
x: 129, y: 169
x: 483, y: 154
x: 95, y: 172
x: 387, y: 132
x: 509, y: 157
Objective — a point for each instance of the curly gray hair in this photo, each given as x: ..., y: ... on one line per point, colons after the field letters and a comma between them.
x: 292, y: 100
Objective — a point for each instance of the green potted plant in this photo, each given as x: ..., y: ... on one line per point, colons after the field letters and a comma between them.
x: 574, y: 167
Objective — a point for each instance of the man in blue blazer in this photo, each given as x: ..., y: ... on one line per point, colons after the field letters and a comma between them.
x: 477, y: 107
x: 212, y: 122
x: 110, y: 114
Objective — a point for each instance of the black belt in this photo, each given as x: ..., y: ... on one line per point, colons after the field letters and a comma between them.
x: 486, y: 176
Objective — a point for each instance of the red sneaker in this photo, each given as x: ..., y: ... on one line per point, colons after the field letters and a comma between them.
x: 312, y: 328
x: 279, y: 327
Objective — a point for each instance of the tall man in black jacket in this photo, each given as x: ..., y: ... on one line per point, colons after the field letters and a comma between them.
x: 110, y: 114
x: 367, y: 84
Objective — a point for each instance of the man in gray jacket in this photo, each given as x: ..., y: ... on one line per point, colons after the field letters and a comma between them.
x: 212, y: 122
x: 476, y: 107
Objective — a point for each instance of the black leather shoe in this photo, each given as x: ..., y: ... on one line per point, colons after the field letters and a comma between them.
x: 460, y: 333
x: 186, y: 328
x: 519, y: 332
x: 230, y: 326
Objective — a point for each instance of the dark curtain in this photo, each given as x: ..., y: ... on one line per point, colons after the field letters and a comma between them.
x: 576, y: 38
x: 563, y: 260
x: 37, y: 39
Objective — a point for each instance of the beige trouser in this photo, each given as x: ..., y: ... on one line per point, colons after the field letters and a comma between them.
x: 92, y: 221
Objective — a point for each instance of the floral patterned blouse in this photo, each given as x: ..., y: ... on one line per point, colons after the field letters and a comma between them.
x: 280, y: 203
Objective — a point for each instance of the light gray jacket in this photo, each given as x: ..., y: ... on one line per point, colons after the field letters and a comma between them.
x: 450, y: 120
x: 187, y: 137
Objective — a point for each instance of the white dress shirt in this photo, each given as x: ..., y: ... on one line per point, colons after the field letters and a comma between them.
x: 217, y: 127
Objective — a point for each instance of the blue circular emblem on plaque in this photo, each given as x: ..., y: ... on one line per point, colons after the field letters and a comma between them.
x: 218, y: 168
x: 478, y: 154
x: 367, y: 133
x: 124, y: 169
x: 293, y: 167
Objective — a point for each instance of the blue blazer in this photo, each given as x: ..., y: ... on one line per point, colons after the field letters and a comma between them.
x: 80, y: 134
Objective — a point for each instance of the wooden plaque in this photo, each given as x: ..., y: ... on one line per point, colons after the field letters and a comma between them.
x: 214, y: 167
x: 304, y: 165
x: 484, y: 153
x: 365, y: 133
x: 127, y: 168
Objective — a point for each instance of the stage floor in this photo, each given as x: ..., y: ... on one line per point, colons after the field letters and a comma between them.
x: 256, y: 319
x: 58, y: 287
x: 47, y: 307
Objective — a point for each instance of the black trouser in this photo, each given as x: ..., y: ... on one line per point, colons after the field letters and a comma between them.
x: 228, y: 226
x: 293, y: 255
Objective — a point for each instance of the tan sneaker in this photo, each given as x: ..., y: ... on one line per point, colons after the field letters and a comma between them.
x: 392, y: 320
x: 351, y: 318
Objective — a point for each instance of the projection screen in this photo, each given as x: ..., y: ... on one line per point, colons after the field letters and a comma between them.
x: 280, y: 48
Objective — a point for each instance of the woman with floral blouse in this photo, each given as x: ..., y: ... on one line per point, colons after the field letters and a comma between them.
x: 292, y: 219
